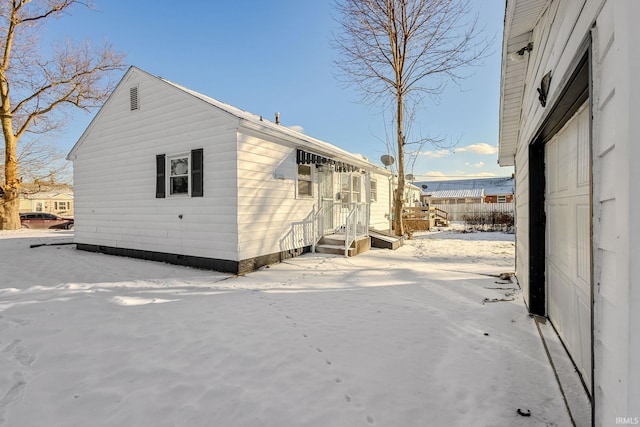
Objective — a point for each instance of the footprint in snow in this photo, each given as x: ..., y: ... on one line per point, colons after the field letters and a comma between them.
x: 19, y: 353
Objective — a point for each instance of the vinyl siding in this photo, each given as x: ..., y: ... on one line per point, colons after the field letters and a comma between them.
x: 615, y: 132
x: 615, y: 205
x: 271, y: 218
x: 114, y: 174
x: 522, y: 218
x: 379, y: 216
x: 560, y: 31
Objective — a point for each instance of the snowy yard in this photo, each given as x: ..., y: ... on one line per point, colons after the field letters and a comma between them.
x: 421, y: 336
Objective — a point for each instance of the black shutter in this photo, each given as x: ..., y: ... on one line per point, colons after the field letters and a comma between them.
x: 160, y: 176
x: 196, y: 173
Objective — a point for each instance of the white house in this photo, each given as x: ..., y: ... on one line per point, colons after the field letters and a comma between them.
x: 570, y: 124
x: 168, y: 174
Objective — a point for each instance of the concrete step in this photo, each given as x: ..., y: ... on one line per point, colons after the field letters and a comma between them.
x: 334, y: 244
x: 324, y: 248
x: 384, y: 240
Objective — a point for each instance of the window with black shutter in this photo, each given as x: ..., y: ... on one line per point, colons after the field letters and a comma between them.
x: 182, y: 175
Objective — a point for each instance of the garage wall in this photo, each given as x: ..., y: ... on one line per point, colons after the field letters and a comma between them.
x: 616, y: 177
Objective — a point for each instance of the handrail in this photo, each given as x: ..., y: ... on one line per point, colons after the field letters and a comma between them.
x: 318, y: 227
x: 441, y: 213
x: 350, y: 218
x: 350, y: 229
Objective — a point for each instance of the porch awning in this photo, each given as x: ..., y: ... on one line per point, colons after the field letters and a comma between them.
x: 306, y: 158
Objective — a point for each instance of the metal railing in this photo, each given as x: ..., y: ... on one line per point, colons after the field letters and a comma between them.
x: 352, y: 219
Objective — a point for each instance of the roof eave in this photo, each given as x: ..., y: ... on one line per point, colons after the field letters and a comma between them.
x: 521, y: 17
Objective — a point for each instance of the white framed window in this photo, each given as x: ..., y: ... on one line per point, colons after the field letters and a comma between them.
x: 180, y: 174
x: 374, y: 190
x: 502, y: 199
x: 345, y: 193
x: 179, y: 171
x: 305, y: 180
x: 350, y: 188
x: 62, y: 206
x: 356, y: 182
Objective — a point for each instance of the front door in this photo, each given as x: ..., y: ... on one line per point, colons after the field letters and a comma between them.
x: 327, y: 196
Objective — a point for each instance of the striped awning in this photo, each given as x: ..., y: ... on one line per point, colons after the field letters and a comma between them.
x: 306, y: 158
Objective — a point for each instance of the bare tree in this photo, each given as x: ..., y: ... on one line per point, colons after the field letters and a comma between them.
x: 397, y: 52
x: 35, y: 91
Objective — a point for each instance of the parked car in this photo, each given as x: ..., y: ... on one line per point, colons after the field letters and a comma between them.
x: 44, y: 220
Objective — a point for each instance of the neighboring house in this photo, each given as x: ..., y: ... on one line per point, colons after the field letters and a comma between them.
x: 166, y: 173
x: 569, y: 123
x: 462, y: 191
x: 51, y: 198
x: 412, y: 194
x: 453, y: 197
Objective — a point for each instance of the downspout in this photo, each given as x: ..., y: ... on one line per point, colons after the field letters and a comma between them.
x: 390, y: 203
x: 367, y: 189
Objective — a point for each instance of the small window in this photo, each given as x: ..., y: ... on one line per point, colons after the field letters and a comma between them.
x: 61, y: 206
x: 502, y: 199
x: 345, y: 194
x: 305, y: 181
x: 182, y: 174
x: 374, y: 191
x: 179, y: 175
x: 133, y: 98
x: 355, y: 188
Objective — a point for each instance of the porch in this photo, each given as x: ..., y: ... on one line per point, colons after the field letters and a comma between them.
x: 342, y: 229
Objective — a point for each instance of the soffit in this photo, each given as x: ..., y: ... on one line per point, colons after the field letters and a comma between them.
x: 521, y: 17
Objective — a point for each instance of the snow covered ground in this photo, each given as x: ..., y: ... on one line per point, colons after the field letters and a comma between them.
x: 421, y: 336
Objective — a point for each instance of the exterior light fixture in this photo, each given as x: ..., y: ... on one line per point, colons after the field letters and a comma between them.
x: 518, y: 55
x: 543, y: 90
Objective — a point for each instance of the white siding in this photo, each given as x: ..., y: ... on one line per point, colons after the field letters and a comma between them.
x: 522, y: 218
x: 616, y: 194
x: 615, y: 150
x: 271, y: 217
x: 379, y: 214
x: 115, y: 174
x: 560, y: 31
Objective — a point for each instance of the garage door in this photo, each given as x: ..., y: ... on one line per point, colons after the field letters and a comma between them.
x: 568, y: 238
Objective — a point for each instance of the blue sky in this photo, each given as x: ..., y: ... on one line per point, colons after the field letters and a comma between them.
x: 268, y: 56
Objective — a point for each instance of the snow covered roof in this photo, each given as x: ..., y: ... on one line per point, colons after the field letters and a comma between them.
x: 271, y: 127
x: 473, y: 193
x: 260, y: 124
x: 491, y: 186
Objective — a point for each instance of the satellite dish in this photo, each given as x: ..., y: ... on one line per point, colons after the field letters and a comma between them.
x: 387, y: 160
x: 409, y: 177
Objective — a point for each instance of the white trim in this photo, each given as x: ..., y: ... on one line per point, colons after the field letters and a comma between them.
x: 312, y: 182
x: 168, y: 175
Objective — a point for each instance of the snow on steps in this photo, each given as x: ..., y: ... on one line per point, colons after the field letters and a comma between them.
x: 334, y: 244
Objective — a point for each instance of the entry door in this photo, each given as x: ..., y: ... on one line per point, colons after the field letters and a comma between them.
x: 327, y: 194
x: 568, y: 237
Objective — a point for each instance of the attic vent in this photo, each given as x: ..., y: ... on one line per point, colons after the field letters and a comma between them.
x: 133, y: 98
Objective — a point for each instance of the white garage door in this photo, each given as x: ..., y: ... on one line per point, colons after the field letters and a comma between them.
x: 568, y: 237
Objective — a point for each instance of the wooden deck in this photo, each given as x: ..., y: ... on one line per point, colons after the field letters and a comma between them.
x: 424, y: 218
